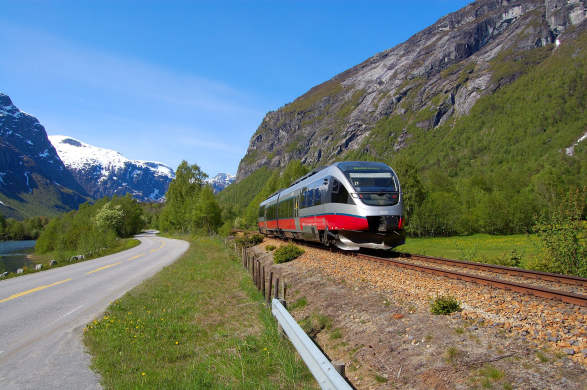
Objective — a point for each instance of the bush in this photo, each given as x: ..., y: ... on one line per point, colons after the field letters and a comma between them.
x: 270, y: 248
x: 560, y: 236
x: 444, y: 305
x: 286, y: 253
x: 249, y: 240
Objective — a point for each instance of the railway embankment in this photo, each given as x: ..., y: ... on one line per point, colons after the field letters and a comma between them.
x: 377, y: 319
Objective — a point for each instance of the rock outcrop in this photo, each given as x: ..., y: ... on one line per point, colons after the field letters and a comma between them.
x: 434, y: 77
x: 30, y: 169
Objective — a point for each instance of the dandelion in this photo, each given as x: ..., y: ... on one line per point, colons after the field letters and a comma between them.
x: 143, y: 374
x: 177, y: 342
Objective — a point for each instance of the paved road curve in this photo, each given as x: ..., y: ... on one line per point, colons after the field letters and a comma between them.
x: 42, y: 315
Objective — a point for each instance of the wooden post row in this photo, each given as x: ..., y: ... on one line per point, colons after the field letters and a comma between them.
x: 270, y: 286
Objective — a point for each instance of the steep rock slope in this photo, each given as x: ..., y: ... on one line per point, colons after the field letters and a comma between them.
x: 104, y: 172
x: 432, y: 79
x: 33, y: 180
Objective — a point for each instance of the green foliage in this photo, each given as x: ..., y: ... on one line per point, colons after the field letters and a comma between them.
x: 29, y: 229
x: 444, y: 305
x: 286, y: 253
x: 176, y: 331
x: 93, y: 228
x: 109, y: 218
x: 190, y: 204
x: 270, y: 248
x: 276, y: 181
x: 237, y: 196
x: 249, y: 240
x: 302, y: 302
x: 560, y: 235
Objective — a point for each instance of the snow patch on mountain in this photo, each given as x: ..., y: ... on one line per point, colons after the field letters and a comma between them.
x: 106, y: 172
x: 76, y: 154
x: 220, y: 181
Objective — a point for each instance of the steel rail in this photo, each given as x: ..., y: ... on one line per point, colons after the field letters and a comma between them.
x: 563, y: 296
x: 547, y: 276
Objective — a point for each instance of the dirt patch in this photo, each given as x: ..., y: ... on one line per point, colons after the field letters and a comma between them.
x: 377, y: 320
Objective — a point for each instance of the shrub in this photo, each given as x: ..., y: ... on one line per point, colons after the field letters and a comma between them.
x: 444, y: 305
x: 249, y: 240
x: 270, y: 248
x: 560, y: 236
x: 286, y: 253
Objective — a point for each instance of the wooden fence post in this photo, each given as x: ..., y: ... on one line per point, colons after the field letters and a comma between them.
x: 270, y: 286
x: 263, y: 280
x: 276, y: 288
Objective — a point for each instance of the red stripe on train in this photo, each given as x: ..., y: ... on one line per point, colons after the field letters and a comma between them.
x: 332, y: 221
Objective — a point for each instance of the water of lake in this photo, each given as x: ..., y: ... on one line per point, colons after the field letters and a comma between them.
x: 13, y: 254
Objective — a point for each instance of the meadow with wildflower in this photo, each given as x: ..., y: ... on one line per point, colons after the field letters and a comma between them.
x: 199, y: 323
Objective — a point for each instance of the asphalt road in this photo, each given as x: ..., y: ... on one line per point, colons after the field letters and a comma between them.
x: 42, y: 315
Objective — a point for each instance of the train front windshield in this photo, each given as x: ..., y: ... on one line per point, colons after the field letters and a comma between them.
x: 374, y: 183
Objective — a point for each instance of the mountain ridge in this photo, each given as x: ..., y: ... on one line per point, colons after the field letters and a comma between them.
x: 106, y: 172
x: 435, y: 77
x: 33, y: 179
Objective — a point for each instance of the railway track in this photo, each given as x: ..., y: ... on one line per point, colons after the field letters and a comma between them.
x: 479, y: 275
x: 564, y: 296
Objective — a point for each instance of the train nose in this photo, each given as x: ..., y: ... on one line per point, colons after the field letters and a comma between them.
x: 384, y: 223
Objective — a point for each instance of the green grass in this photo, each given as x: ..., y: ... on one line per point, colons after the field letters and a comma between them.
x: 63, y: 257
x: 199, y: 323
x: 301, y: 302
x: 478, y: 247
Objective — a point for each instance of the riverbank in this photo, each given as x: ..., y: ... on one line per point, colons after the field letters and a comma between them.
x: 62, y: 258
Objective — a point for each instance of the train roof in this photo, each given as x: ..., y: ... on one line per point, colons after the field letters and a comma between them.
x: 342, y: 165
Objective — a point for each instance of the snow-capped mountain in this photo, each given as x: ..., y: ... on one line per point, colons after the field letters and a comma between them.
x: 33, y: 180
x: 105, y: 172
x: 220, y: 181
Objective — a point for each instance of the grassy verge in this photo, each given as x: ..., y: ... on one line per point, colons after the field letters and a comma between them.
x: 199, y: 323
x: 121, y: 245
x: 478, y: 247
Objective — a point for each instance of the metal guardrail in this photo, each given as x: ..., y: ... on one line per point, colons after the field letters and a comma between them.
x: 324, y: 372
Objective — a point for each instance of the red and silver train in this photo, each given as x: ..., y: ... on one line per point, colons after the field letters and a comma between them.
x: 351, y: 204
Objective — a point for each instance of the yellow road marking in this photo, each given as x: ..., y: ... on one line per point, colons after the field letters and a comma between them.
x: 102, y: 268
x: 136, y: 257
x: 20, y: 294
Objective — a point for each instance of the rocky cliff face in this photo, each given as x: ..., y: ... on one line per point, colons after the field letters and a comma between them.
x: 433, y: 78
x: 104, y: 172
x: 30, y: 167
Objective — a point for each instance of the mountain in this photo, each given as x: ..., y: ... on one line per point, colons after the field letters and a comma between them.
x: 33, y: 180
x: 421, y: 88
x: 104, y: 172
x: 220, y: 181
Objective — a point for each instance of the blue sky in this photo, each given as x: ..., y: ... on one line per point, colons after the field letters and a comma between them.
x: 175, y: 80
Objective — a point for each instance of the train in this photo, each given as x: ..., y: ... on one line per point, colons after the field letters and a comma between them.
x: 350, y: 204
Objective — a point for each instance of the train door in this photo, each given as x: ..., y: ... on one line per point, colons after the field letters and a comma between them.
x: 296, y: 211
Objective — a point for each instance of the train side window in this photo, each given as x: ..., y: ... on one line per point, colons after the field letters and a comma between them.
x: 340, y: 194
x: 317, y: 197
x: 261, y: 212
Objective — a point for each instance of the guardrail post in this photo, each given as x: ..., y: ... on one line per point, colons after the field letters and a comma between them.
x: 339, y: 367
x: 327, y: 376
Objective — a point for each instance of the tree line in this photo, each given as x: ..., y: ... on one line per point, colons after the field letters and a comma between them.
x: 28, y: 229
x: 93, y: 228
